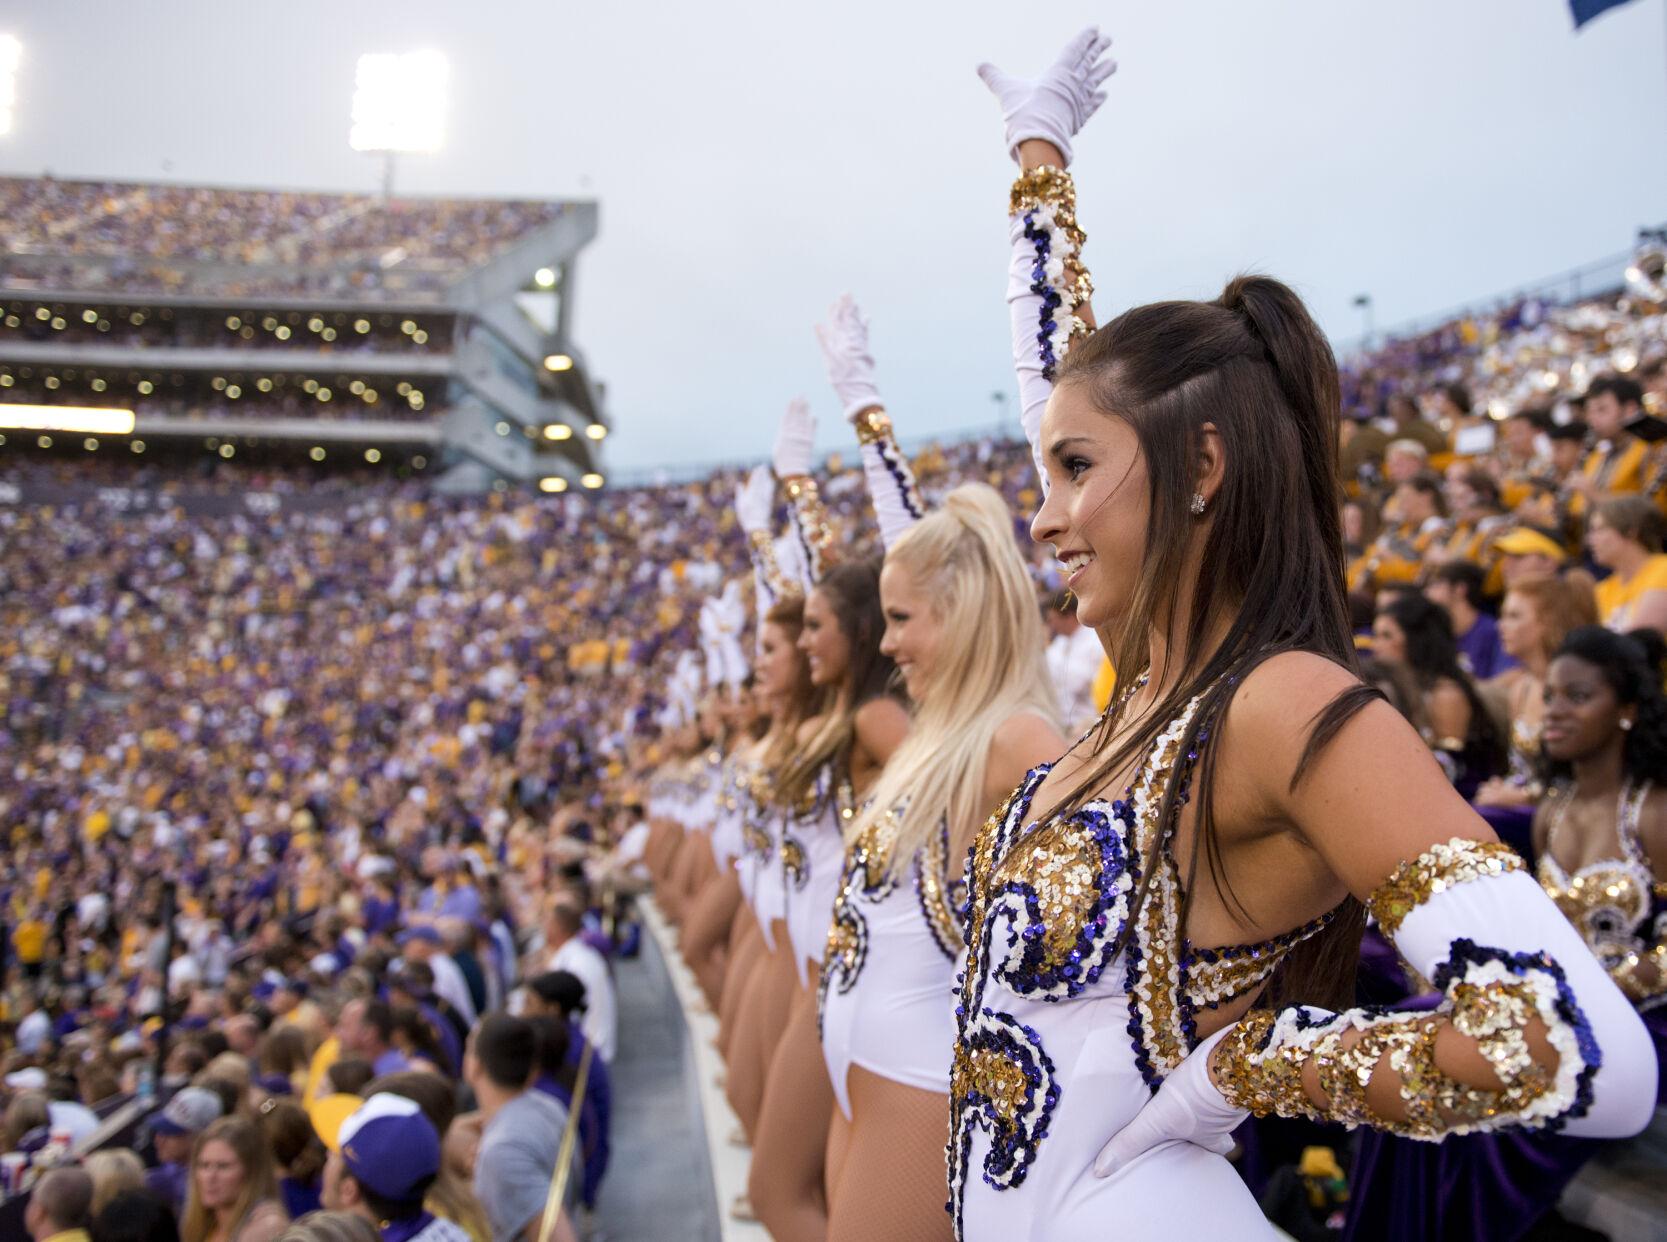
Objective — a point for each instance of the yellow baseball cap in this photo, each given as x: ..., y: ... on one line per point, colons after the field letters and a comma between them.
x: 1526, y: 541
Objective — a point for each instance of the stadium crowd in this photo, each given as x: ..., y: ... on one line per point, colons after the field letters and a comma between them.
x: 64, y: 323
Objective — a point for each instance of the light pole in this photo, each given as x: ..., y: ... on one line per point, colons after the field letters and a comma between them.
x: 399, y: 104
x: 1363, y: 302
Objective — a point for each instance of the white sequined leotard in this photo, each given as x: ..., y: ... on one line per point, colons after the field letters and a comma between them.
x: 886, y: 995
x: 1059, y: 1043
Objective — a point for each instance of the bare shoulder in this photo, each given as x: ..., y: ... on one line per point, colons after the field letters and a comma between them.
x: 880, y: 725
x: 1652, y: 829
x: 1020, y: 743
x: 1026, y: 738
x: 1282, y: 695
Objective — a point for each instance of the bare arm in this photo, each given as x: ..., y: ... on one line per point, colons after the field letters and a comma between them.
x: 1527, y: 1007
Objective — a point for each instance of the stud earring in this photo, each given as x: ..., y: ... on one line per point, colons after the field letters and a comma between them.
x: 1626, y: 724
x: 1197, y: 504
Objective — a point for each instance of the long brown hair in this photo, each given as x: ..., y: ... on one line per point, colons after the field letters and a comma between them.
x: 1254, y: 364
x: 260, y: 1183
x: 852, y: 591
x: 788, y: 615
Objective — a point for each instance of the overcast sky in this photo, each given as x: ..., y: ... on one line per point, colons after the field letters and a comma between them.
x: 753, y: 160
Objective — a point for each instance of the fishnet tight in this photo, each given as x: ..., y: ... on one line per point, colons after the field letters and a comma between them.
x: 787, y: 1180
x: 888, y: 1184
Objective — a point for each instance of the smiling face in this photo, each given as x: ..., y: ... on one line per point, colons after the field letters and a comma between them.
x: 826, y: 648
x: 1097, y: 507
x: 219, y: 1175
x: 1389, y: 640
x: 1608, y: 544
x: 1520, y: 631
x: 913, y: 629
x: 777, y: 662
x: 1582, y: 712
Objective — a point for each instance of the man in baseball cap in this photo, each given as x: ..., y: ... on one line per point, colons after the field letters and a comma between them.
x: 174, y: 1130
x: 1529, y: 552
x: 384, y: 1155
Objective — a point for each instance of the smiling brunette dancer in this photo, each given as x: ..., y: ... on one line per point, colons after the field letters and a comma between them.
x: 964, y: 630
x: 765, y: 994
x: 840, y: 753
x: 1245, y: 792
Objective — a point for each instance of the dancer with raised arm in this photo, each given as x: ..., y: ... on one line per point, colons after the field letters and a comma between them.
x: 839, y: 755
x: 962, y: 627
x: 1163, y: 923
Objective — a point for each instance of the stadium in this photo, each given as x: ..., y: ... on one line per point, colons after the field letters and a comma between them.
x: 439, y: 810
x: 286, y: 330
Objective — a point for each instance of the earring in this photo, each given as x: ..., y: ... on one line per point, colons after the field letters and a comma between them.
x: 1197, y: 504
x: 1626, y: 724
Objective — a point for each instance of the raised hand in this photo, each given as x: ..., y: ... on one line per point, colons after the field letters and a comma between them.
x: 754, y: 499
x: 844, y: 341
x: 1057, y: 105
x: 796, y: 440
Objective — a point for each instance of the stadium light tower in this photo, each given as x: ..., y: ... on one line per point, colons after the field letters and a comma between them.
x: 11, y: 54
x: 399, y: 105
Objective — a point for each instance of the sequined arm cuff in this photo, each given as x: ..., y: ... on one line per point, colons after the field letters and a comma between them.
x: 772, y: 582
x: 891, y: 482
x: 810, y: 520
x: 1491, y: 996
x: 1642, y: 977
x: 1045, y: 199
x: 1437, y: 869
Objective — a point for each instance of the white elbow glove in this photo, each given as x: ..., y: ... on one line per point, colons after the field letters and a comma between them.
x: 795, y: 440
x: 1057, y: 105
x: 844, y: 341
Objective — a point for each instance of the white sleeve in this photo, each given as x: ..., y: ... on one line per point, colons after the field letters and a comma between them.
x: 891, y: 481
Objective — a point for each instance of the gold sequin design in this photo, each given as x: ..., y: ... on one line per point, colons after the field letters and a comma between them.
x: 1438, y: 868
x: 873, y: 425
x: 814, y: 526
x: 941, y: 898
x: 1260, y: 1064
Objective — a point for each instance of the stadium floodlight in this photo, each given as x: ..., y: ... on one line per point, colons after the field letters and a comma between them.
x: 11, y: 55
x: 558, y: 362
x: 399, y: 105
x: 592, y: 481
x: 596, y: 431
x: 552, y: 483
x: 557, y: 431
x: 545, y: 278
x: 85, y: 420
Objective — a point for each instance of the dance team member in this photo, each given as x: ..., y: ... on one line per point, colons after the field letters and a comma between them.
x: 1164, y: 922
x: 964, y: 631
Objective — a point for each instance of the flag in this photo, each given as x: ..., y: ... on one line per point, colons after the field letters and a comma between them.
x: 1585, y: 10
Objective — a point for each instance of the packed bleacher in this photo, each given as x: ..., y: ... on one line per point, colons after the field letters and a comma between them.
x: 149, y: 238
x: 71, y: 323
x: 380, y: 757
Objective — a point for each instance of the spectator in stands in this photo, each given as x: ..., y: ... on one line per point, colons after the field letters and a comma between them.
x: 384, y: 1157
x: 191, y: 1111
x: 1528, y: 552
x: 521, y: 1129
x: 1416, y: 632
x: 234, y: 1192
x: 1409, y: 423
x: 1074, y: 658
x: 424, y: 944
x: 365, y: 1029
x: 135, y: 1216
x: 331, y: 1227
x: 297, y: 1153
x: 564, y: 949
x: 1404, y: 459
x: 1615, y: 464
x: 1625, y: 537
x: 1458, y: 587
x: 60, y: 1206
x: 114, y: 1170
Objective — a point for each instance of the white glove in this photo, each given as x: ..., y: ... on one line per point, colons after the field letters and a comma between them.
x: 796, y: 440
x: 1188, y: 1108
x: 844, y: 341
x: 1057, y: 105
x: 754, y: 500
